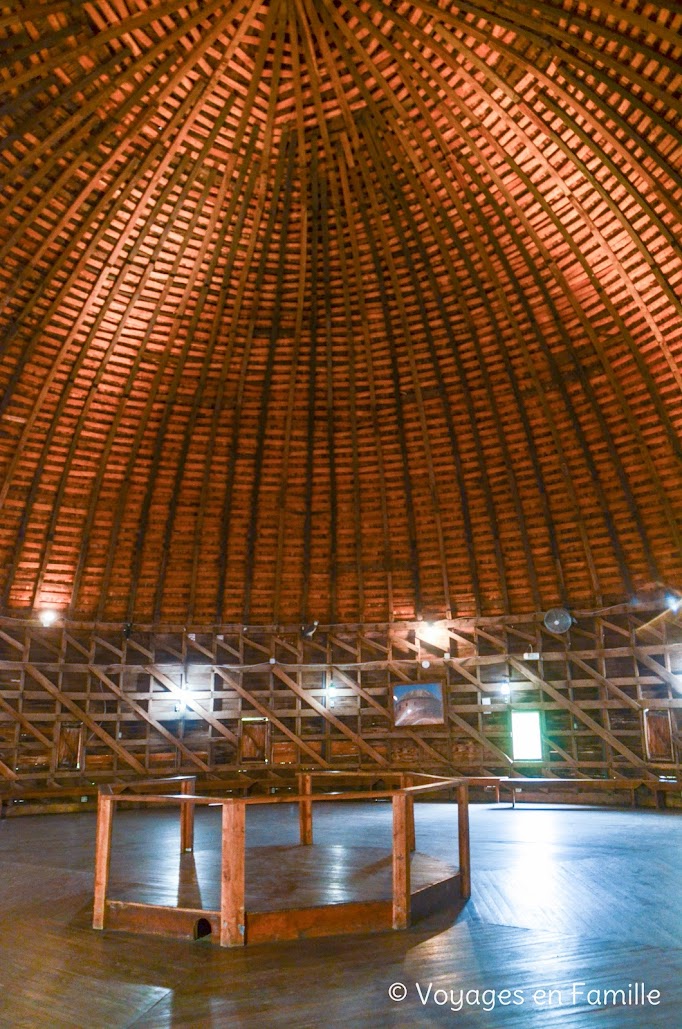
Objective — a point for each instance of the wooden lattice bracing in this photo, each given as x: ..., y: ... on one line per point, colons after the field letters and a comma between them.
x: 87, y: 703
x: 358, y: 311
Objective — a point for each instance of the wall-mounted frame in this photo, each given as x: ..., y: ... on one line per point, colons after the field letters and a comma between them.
x: 658, y: 736
x: 419, y: 703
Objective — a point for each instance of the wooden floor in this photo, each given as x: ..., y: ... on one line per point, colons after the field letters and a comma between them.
x: 277, y: 877
x: 561, y: 896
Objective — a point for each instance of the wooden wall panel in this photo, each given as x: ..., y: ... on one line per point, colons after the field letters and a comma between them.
x: 86, y: 703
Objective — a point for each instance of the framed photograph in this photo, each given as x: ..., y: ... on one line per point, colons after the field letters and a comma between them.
x: 421, y: 703
x: 658, y: 736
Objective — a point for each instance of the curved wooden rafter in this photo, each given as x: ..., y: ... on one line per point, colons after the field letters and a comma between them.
x: 473, y: 273
x: 345, y: 311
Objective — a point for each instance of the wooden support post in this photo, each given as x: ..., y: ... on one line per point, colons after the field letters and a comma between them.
x: 305, y: 811
x: 187, y: 787
x: 105, y: 818
x: 401, y: 863
x: 232, y: 880
x: 408, y: 780
x: 464, y: 847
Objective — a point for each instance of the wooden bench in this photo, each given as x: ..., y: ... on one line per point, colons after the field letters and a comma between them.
x: 660, y: 790
x: 65, y: 799
x: 487, y: 782
x: 513, y: 786
x: 56, y: 799
x: 74, y: 797
x: 68, y: 798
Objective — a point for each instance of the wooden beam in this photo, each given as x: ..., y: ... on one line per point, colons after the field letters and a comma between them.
x: 232, y: 875
x: 305, y: 810
x: 564, y: 702
x: 7, y: 773
x: 463, y: 839
x: 627, y: 701
x: 26, y: 724
x: 234, y: 684
x: 82, y: 716
x: 332, y: 719
x: 401, y: 863
x: 105, y: 817
x: 176, y: 743
x: 186, y: 697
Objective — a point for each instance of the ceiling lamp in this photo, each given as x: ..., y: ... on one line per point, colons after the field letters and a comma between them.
x: 48, y: 616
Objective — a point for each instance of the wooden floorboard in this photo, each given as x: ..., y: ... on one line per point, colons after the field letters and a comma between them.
x: 560, y: 896
x: 277, y: 877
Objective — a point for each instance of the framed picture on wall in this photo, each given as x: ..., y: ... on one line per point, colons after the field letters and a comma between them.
x: 658, y: 737
x: 420, y: 703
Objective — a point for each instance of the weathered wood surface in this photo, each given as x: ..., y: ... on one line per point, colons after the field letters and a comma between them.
x: 180, y: 701
x: 232, y: 875
x: 562, y: 896
x: 353, y: 312
x: 232, y: 917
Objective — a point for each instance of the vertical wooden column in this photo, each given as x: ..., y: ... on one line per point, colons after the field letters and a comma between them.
x: 305, y: 810
x: 188, y: 787
x: 408, y: 780
x: 401, y: 863
x: 464, y: 847
x: 232, y: 879
x: 105, y: 818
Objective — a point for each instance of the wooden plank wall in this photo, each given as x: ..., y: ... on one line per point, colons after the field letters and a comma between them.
x: 97, y: 702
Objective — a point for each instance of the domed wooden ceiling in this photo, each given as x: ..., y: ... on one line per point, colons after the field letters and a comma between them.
x: 338, y: 309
